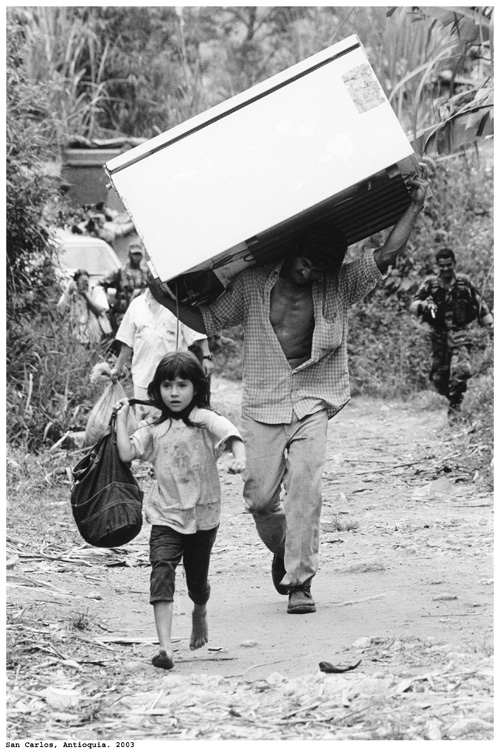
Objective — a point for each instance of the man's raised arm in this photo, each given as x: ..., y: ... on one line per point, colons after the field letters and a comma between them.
x: 397, y: 238
x: 188, y: 314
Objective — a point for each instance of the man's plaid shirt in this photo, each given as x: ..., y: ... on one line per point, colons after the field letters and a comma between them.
x: 272, y: 390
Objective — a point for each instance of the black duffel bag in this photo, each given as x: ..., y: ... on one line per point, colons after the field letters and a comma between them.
x: 105, y: 498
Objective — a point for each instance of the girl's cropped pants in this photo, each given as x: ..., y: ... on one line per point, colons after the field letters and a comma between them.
x: 166, y: 549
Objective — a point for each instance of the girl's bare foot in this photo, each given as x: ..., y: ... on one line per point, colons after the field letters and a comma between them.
x: 163, y: 660
x: 199, y: 634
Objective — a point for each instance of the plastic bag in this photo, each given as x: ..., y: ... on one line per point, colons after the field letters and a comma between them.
x: 106, y: 500
x: 99, y: 417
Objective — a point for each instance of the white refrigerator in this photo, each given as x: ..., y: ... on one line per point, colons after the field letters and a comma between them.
x: 230, y: 187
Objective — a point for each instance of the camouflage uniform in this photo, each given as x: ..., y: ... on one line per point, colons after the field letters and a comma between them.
x: 128, y: 282
x: 450, y: 312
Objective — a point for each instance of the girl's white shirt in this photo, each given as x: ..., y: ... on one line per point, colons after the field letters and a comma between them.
x: 186, y: 493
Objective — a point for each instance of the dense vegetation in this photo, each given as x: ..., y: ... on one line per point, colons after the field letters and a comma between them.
x: 105, y: 71
x: 390, y: 349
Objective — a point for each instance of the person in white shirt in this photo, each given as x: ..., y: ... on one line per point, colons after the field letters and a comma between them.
x: 147, y: 332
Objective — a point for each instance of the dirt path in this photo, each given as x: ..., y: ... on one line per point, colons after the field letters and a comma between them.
x: 405, y: 585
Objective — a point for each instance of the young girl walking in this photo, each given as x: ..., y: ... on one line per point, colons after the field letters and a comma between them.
x: 183, y: 505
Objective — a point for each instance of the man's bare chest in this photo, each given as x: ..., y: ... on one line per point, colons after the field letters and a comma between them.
x: 291, y: 306
x: 292, y: 319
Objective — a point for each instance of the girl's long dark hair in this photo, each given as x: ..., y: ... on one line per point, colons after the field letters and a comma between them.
x: 185, y: 366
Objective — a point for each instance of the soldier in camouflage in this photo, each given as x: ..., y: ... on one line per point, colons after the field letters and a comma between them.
x: 128, y: 282
x: 450, y: 303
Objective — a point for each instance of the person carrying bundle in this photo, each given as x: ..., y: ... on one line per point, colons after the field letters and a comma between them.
x: 295, y: 378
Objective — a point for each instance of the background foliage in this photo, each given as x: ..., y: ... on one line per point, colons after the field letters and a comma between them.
x: 390, y: 349
x: 47, y: 381
x: 141, y: 70
x: 136, y: 71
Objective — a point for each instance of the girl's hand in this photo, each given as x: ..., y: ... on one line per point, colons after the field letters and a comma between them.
x: 126, y: 449
x: 238, y: 462
x: 122, y: 407
x: 236, y: 466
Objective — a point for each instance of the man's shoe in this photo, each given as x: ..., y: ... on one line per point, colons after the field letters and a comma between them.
x: 300, y: 600
x: 278, y: 571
